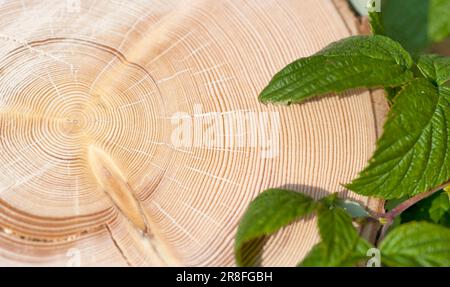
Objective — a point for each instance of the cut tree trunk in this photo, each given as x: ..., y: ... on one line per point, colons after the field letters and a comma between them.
x: 131, y: 132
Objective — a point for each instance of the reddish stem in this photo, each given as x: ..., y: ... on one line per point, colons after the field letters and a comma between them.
x: 391, y: 215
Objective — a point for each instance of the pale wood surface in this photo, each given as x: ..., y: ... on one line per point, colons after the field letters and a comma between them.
x: 86, y: 151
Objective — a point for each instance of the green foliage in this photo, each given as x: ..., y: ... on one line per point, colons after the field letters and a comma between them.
x: 413, y: 154
x: 359, y: 61
x: 411, y: 244
x: 275, y: 208
x: 414, y: 23
x: 417, y: 244
x: 376, y: 23
x: 435, y: 68
x: 434, y: 209
x: 336, y: 230
x: 341, y: 244
x: 440, y: 208
x: 270, y: 211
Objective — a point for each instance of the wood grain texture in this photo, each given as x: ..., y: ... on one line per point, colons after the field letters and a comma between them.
x: 91, y: 173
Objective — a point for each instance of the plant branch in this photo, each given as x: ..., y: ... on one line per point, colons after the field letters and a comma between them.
x: 388, y: 218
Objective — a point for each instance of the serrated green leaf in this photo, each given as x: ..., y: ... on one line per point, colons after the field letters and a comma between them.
x: 415, y: 23
x: 416, y: 244
x: 359, y: 61
x: 341, y: 244
x: 413, y: 154
x: 269, y: 212
x: 435, y: 68
x: 439, y: 207
x: 337, y: 232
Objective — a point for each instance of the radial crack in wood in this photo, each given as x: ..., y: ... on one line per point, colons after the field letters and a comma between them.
x: 114, y: 183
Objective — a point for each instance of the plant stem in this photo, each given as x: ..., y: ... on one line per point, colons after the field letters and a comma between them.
x: 391, y: 215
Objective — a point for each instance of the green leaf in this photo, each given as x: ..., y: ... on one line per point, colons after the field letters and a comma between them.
x: 330, y: 201
x: 341, y: 244
x: 316, y: 257
x: 435, y: 68
x: 415, y: 23
x: 338, y: 234
x: 416, y: 244
x: 359, y: 61
x: 269, y: 212
x: 413, y: 154
x: 439, y: 207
